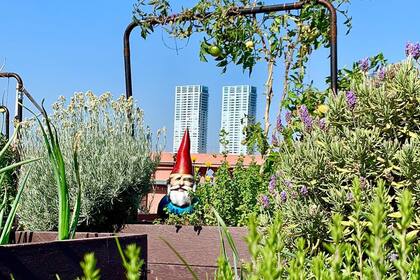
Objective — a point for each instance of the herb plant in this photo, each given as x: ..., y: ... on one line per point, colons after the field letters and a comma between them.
x: 115, y: 166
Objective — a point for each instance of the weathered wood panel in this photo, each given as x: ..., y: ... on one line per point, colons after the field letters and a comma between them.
x: 200, y: 246
x: 178, y: 272
x: 43, y: 260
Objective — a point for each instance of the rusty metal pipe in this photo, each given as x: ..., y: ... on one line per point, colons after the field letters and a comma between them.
x: 333, y: 44
x: 19, y: 92
x: 5, y: 110
x: 249, y: 11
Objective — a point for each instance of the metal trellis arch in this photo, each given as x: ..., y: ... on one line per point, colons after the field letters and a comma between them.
x: 251, y: 11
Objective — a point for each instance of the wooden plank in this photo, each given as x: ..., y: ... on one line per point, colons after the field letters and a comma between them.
x: 200, y: 246
x: 178, y: 272
x: 44, y: 260
x: 45, y: 236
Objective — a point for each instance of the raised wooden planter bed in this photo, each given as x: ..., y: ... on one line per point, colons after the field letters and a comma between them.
x: 37, y: 255
x: 200, y: 246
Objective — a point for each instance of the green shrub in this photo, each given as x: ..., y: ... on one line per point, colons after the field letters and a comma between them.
x: 370, y: 132
x: 115, y: 167
x: 371, y: 244
x: 234, y: 193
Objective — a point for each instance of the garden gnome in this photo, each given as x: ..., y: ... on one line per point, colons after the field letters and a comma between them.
x: 180, y: 184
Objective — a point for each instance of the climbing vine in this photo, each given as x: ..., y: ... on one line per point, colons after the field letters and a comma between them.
x: 286, y: 38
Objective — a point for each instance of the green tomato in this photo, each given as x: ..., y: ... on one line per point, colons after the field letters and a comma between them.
x: 215, y: 51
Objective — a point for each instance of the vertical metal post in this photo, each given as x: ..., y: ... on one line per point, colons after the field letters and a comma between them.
x: 333, y: 44
x: 5, y: 110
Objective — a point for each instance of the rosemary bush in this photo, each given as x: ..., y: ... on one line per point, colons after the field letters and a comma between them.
x: 115, y: 167
x: 369, y: 132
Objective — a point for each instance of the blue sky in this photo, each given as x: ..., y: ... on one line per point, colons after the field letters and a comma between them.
x: 62, y: 47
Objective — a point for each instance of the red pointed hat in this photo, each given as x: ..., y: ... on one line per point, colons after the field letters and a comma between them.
x: 183, y: 164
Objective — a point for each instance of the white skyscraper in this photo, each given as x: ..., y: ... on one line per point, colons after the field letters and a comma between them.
x: 239, y: 109
x: 191, y: 107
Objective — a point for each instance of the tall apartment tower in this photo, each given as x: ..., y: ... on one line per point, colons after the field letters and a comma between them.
x: 239, y: 109
x: 191, y: 108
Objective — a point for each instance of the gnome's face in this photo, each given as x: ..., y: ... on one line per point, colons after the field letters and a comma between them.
x: 179, y: 189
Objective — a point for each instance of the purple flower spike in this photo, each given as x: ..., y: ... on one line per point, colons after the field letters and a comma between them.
x: 412, y: 50
x: 382, y: 74
x: 288, y: 183
x: 322, y: 124
x: 279, y: 125
x: 364, y: 64
x: 274, y: 140
x: 393, y: 257
x: 304, y: 191
x: 283, y: 196
x: 265, y: 202
x: 305, y: 117
x: 272, y: 184
x: 351, y: 100
x: 363, y: 182
x: 288, y: 118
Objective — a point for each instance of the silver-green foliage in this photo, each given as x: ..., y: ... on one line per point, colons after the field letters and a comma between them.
x: 115, y: 167
x: 378, y: 138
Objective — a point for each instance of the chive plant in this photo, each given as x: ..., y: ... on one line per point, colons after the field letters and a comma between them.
x: 66, y: 225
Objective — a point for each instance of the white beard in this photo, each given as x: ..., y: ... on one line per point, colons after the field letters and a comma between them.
x: 180, y: 198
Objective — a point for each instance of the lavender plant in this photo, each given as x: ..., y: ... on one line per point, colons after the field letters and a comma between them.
x: 115, y: 167
x: 370, y: 132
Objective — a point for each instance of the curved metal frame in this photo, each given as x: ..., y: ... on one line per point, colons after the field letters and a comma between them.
x: 252, y: 11
x: 19, y: 93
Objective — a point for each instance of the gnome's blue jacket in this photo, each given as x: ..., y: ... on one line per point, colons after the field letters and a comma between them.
x: 165, y: 203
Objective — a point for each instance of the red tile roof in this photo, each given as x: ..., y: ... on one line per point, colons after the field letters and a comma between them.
x: 167, y: 161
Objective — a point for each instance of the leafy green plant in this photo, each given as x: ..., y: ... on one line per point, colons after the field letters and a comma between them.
x: 131, y: 260
x: 115, y: 166
x: 389, y: 250
x: 88, y: 265
x: 233, y: 192
x: 4, y: 207
x: 10, y: 182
